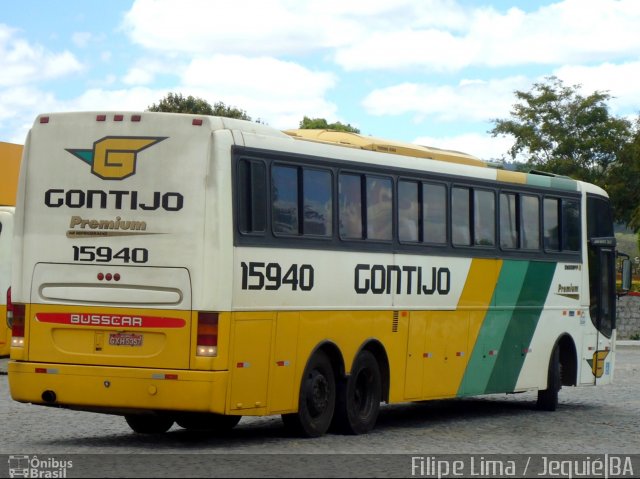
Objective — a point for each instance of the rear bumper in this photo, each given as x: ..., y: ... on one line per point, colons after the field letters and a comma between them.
x: 118, y: 389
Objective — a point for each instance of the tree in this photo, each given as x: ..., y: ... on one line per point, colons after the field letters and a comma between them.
x: 623, y: 180
x: 320, y: 123
x: 176, y: 103
x: 560, y: 131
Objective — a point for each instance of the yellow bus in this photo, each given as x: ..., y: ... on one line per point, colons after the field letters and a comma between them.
x: 193, y: 270
x: 10, y: 156
x: 6, y: 237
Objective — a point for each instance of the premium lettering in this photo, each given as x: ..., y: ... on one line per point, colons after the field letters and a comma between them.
x: 115, y: 224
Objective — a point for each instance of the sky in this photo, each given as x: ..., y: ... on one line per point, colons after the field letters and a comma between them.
x: 432, y: 72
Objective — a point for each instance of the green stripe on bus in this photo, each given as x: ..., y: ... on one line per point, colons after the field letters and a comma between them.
x: 552, y: 182
x: 493, y: 329
x: 521, y: 327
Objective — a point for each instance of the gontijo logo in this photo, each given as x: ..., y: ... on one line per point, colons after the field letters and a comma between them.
x: 114, y: 157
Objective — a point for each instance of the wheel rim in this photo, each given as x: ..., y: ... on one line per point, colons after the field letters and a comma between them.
x: 318, y: 400
x: 362, y: 394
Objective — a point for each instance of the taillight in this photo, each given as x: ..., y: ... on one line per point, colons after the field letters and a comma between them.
x: 9, y: 309
x: 15, y: 320
x: 207, y: 344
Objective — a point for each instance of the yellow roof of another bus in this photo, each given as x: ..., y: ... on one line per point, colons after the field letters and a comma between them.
x: 10, y: 157
x: 353, y: 140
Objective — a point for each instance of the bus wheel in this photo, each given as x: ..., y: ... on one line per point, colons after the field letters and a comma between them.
x: 149, y: 423
x: 548, y: 398
x: 317, y: 399
x: 359, y: 396
x: 207, y: 422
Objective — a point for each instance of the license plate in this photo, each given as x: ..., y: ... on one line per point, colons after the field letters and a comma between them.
x: 125, y: 339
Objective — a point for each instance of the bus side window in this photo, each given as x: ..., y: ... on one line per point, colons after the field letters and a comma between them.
x: 350, y: 214
x: 508, y: 220
x: 570, y: 225
x: 284, y: 197
x: 460, y: 217
x: 484, y: 218
x: 434, y: 212
x: 252, y: 196
x: 379, y: 208
x: 551, y: 223
x: 318, y: 202
x: 530, y: 222
x: 408, y: 211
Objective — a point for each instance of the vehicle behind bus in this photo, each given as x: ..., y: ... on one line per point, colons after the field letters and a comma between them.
x: 6, y: 237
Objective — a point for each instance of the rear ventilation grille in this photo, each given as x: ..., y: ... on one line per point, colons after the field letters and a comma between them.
x: 394, y: 326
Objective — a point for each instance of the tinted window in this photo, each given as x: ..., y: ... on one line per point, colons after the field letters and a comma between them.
x: 460, y: 214
x: 508, y: 220
x: 379, y: 208
x: 484, y: 214
x: 252, y: 198
x: 530, y: 222
x: 350, y: 214
x: 408, y: 211
x: 551, y: 224
x: 599, y: 217
x: 570, y: 225
x: 318, y: 196
x: 434, y: 213
x: 284, y: 195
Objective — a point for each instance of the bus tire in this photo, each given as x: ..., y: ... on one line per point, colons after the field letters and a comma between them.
x: 149, y: 423
x: 359, y: 397
x: 548, y: 398
x: 207, y: 422
x: 317, y: 399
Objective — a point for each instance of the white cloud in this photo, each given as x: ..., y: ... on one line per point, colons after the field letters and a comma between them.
x: 620, y: 81
x: 469, y: 100
x: 382, y: 35
x: 276, y: 91
x: 133, y: 99
x: 564, y: 32
x: 240, y: 26
x: 484, y: 147
x: 22, y: 62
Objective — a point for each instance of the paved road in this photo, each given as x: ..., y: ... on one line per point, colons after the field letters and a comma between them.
x: 588, y: 421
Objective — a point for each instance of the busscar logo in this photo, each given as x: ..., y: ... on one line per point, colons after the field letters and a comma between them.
x: 115, y: 157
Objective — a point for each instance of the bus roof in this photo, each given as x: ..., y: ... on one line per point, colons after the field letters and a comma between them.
x: 353, y: 140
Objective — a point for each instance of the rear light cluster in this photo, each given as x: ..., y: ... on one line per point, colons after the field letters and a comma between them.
x: 15, y: 321
x: 207, y: 344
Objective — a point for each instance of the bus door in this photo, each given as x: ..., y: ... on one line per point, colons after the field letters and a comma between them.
x: 602, y: 285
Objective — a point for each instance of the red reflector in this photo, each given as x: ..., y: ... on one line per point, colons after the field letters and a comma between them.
x: 41, y: 370
x: 197, y: 122
x: 118, y: 117
x: 44, y: 119
x: 136, y: 117
x: 171, y: 376
x: 101, y: 118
